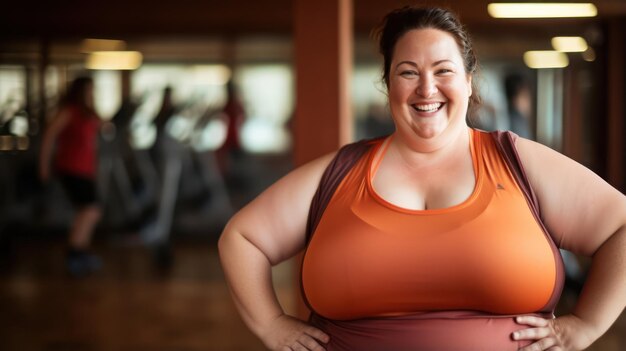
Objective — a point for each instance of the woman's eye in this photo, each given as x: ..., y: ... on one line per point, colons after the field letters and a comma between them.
x: 444, y: 71
x: 408, y: 73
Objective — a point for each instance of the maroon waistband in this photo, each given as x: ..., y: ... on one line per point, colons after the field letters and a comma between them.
x: 441, y: 331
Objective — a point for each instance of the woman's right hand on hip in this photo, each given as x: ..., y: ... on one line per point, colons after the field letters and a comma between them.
x: 286, y: 333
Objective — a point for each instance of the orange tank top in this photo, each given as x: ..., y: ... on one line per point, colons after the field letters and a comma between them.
x: 371, y: 258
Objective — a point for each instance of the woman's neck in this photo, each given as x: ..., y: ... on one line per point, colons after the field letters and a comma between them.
x: 420, y: 153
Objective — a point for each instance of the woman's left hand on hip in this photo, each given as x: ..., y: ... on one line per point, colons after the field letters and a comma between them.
x: 566, y: 333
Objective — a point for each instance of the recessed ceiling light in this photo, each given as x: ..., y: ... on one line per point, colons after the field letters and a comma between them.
x: 541, y: 10
x: 569, y: 44
x: 114, y: 60
x: 545, y: 59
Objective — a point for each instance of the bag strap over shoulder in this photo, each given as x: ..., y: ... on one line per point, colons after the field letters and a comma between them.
x: 342, y: 163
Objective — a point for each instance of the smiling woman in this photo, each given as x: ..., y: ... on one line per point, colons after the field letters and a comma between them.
x: 431, y: 238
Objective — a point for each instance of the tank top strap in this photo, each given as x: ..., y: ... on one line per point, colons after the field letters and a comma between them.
x: 340, y: 165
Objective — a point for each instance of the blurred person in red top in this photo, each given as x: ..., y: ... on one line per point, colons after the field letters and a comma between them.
x: 74, y: 131
x: 234, y: 114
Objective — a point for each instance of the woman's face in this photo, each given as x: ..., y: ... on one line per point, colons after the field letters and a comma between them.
x: 429, y: 89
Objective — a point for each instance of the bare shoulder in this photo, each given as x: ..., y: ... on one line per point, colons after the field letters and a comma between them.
x: 541, y: 162
x: 580, y: 209
x: 527, y: 148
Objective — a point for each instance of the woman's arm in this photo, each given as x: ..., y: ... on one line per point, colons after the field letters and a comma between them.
x: 50, y: 135
x: 587, y: 216
x: 264, y: 233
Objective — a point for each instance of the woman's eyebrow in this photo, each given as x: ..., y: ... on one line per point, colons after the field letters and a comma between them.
x: 442, y: 61
x: 411, y: 63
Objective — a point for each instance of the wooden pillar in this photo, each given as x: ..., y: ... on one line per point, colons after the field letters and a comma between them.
x: 323, y: 67
x: 616, y: 110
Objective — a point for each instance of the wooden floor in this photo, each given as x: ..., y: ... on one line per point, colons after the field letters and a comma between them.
x: 131, y: 305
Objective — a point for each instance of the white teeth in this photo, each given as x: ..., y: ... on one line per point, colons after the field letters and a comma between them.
x: 429, y: 107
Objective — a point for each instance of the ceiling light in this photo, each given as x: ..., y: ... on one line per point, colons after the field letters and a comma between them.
x: 569, y: 44
x: 541, y: 10
x: 545, y: 59
x: 114, y: 60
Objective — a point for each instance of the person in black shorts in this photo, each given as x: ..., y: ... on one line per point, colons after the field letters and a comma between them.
x: 73, y: 131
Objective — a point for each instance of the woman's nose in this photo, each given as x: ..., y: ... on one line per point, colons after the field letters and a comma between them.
x: 426, y: 87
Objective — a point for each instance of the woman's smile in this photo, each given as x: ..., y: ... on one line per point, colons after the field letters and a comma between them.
x: 427, y: 109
